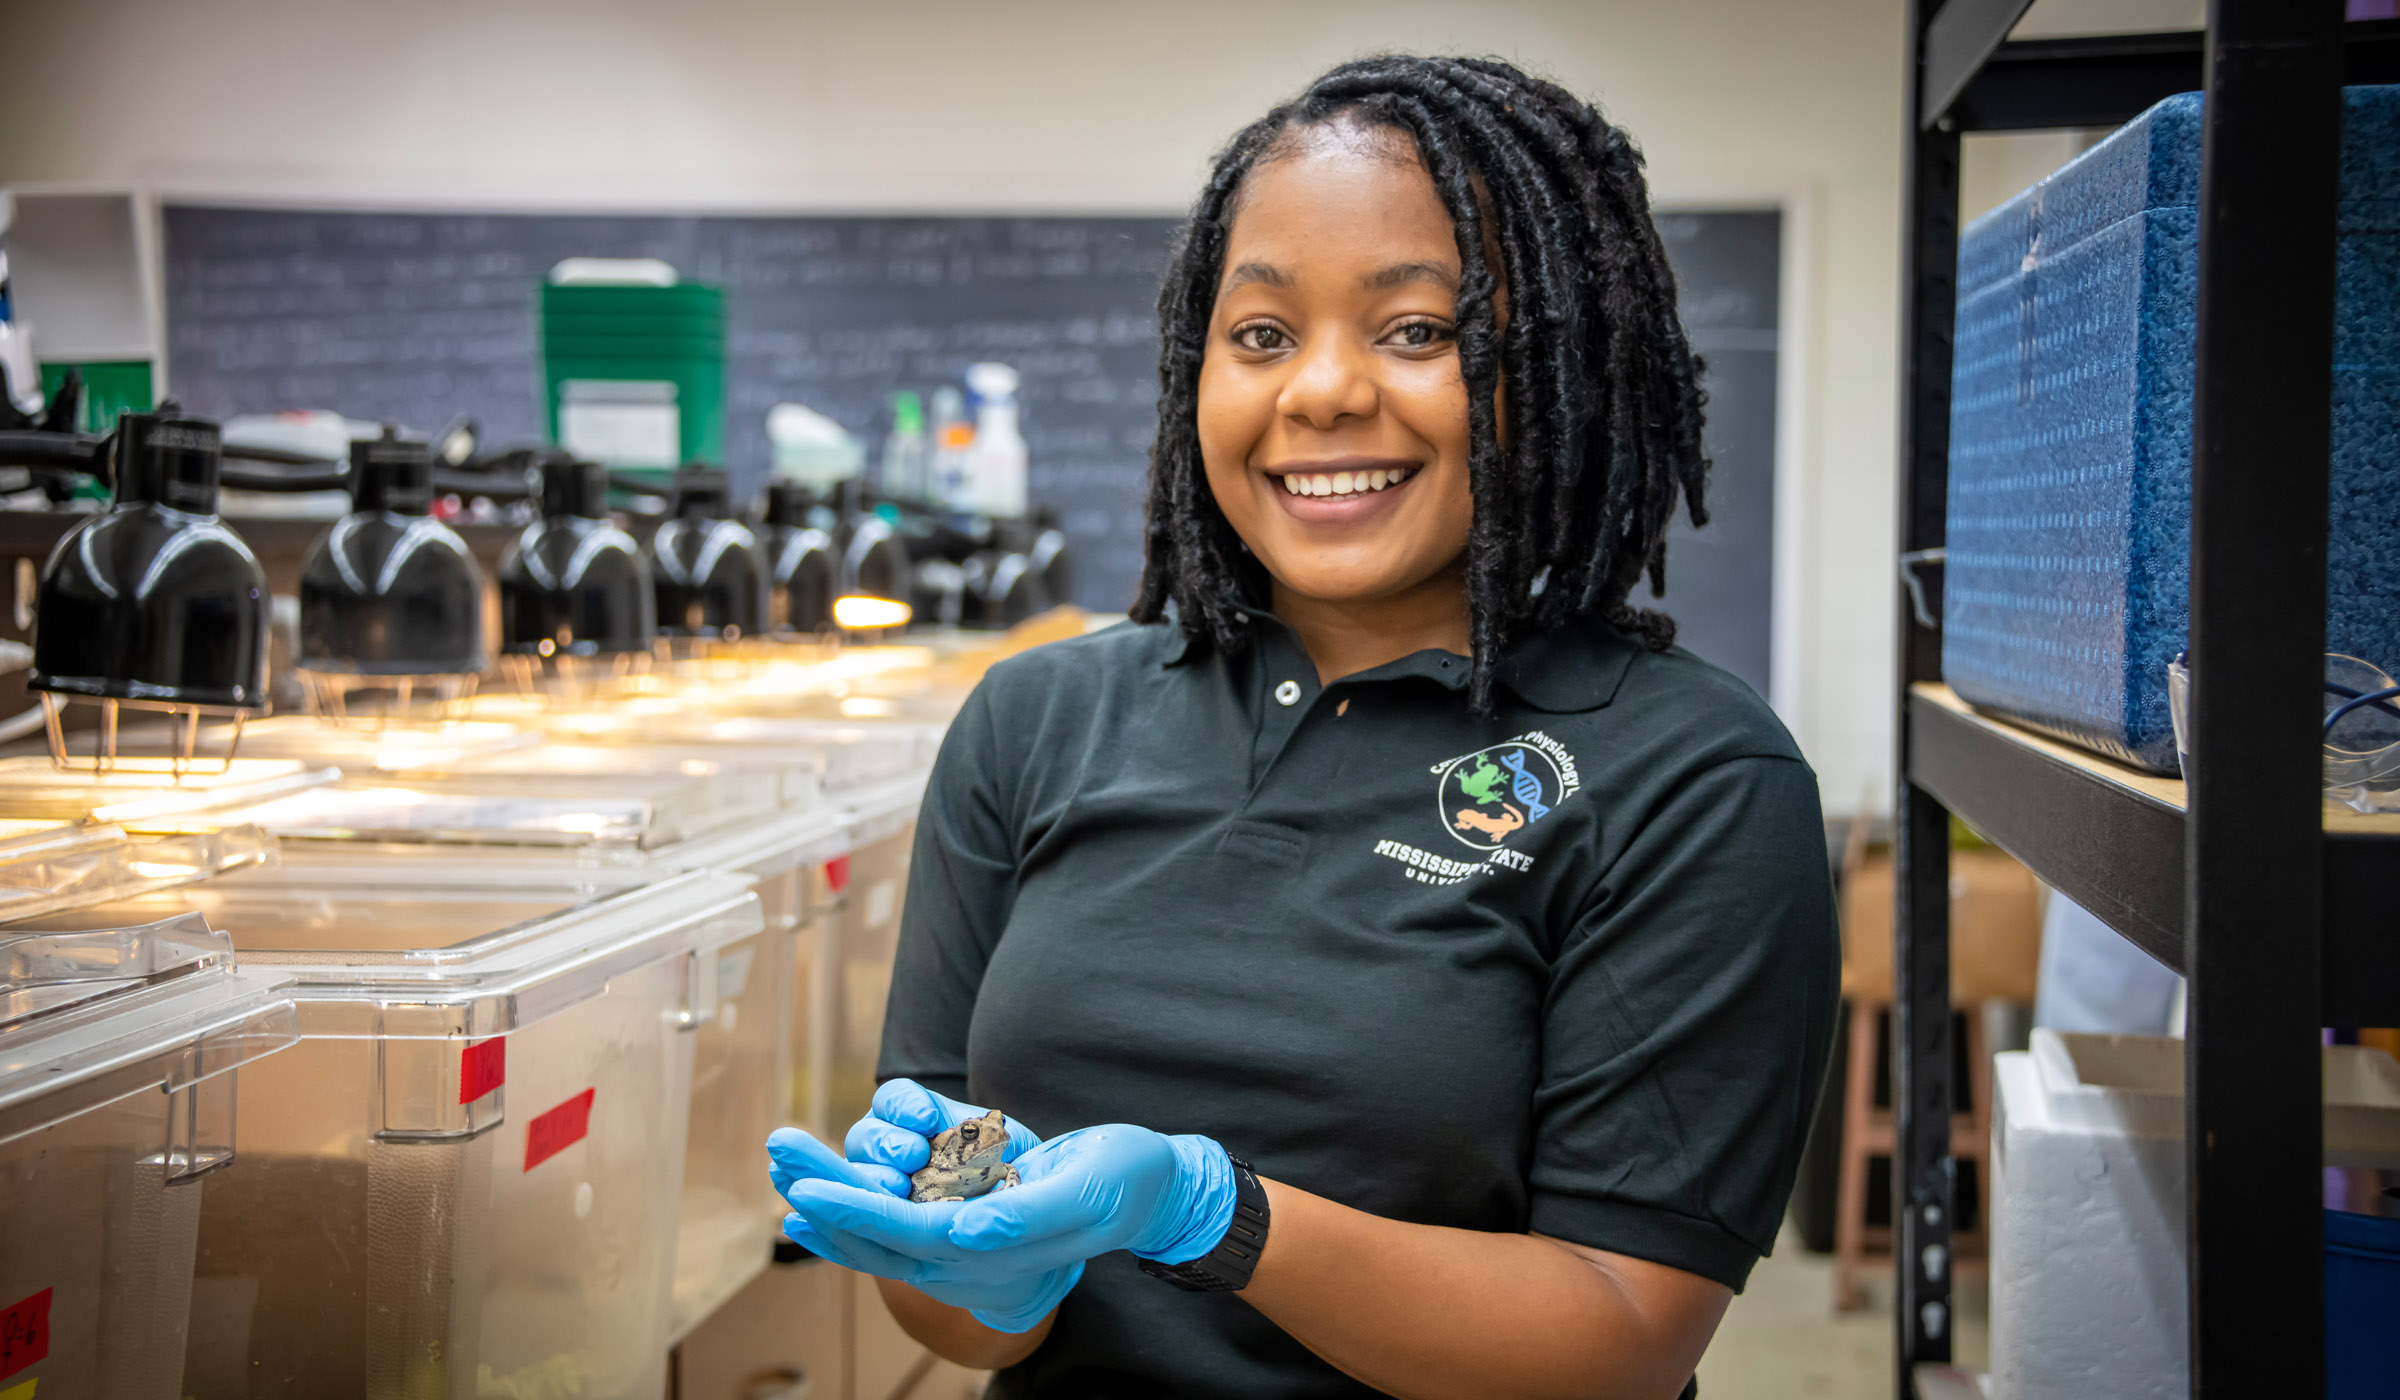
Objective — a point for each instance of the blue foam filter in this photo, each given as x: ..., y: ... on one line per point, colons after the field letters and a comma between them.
x: 2069, y: 567
x: 2362, y: 1297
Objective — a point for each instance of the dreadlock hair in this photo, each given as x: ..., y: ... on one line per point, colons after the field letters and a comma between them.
x: 1604, y: 401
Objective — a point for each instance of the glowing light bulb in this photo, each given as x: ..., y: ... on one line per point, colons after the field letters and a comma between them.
x: 861, y: 613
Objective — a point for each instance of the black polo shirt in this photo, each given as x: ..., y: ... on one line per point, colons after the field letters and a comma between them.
x: 1568, y: 969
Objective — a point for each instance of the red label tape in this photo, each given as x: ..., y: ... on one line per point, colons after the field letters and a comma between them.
x: 559, y: 1129
x: 482, y: 1067
x: 837, y: 874
x: 24, y: 1333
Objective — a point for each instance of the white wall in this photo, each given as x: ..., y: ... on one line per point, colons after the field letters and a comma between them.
x: 1046, y: 105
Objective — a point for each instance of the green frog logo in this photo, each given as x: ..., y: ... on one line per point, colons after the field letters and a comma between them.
x: 1486, y: 797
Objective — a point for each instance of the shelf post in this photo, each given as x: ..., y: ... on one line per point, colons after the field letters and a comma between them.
x: 1923, y: 1173
x: 2254, y: 940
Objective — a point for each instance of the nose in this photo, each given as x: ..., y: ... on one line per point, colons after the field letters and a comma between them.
x: 1330, y: 381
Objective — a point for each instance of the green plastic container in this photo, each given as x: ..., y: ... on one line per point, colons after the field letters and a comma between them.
x: 635, y: 376
x: 110, y: 387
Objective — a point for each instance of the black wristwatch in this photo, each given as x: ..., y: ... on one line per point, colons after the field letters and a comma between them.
x: 1227, y: 1268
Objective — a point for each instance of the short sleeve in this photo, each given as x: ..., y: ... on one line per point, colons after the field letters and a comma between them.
x: 962, y: 881
x: 1686, y: 1026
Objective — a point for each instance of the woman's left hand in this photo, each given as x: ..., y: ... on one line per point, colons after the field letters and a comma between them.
x: 808, y: 1174
x: 1115, y: 1186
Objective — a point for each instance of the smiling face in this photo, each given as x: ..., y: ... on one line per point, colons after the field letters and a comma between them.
x: 1332, y: 416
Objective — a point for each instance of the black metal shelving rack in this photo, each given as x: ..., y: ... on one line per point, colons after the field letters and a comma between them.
x: 2281, y: 924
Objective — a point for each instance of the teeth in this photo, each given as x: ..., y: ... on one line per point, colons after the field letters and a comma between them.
x: 1344, y: 483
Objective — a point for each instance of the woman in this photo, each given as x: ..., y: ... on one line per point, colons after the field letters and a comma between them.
x: 1395, y: 933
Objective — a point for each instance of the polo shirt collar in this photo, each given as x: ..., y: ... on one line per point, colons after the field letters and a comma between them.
x: 1574, y: 668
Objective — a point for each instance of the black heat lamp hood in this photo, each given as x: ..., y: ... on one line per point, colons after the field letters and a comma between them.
x: 154, y: 602
x: 710, y: 574
x: 806, y: 576
x: 574, y: 584
x: 389, y: 591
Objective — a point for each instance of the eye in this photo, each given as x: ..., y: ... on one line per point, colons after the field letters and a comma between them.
x: 1264, y: 337
x: 1421, y: 334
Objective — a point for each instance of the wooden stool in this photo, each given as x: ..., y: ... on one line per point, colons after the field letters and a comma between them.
x: 1995, y: 948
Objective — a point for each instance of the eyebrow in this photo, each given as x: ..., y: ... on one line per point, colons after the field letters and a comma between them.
x: 1401, y: 274
x: 1249, y: 272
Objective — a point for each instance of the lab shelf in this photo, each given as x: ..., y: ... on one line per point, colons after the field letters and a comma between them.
x: 2277, y: 915
x: 2088, y: 80
x: 2111, y: 838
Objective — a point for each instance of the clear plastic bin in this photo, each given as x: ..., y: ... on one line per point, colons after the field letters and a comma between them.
x: 853, y: 979
x: 875, y: 773
x: 463, y: 1179
x: 512, y: 820
x: 119, y: 1056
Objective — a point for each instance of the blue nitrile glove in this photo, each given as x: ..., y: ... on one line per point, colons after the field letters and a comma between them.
x: 895, y: 1138
x: 1005, y: 1298
x: 1114, y: 1186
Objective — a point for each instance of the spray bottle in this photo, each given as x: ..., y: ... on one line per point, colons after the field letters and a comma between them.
x: 997, y: 469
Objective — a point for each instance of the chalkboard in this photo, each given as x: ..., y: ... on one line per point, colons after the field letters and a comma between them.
x: 421, y: 318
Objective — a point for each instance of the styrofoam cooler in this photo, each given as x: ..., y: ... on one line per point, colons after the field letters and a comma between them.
x: 2067, y: 578
x: 2088, y: 1263
x: 463, y: 1179
x: 119, y: 1058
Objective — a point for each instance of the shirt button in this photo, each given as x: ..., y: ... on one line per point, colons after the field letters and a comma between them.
x: 1288, y: 693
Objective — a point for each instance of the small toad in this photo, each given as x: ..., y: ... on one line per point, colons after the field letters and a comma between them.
x: 966, y: 1162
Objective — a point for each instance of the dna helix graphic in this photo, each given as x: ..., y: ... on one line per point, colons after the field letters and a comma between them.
x: 1528, y: 788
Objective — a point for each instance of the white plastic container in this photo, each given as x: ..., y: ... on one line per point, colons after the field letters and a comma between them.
x: 464, y: 1179
x: 118, y: 1063
x: 863, y: 898
x: 2088, y: 1268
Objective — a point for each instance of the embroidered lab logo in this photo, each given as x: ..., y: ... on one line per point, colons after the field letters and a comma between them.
x: 1486, y: 797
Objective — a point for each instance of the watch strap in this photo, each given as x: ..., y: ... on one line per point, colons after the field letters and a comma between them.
x: 1226, y: 1268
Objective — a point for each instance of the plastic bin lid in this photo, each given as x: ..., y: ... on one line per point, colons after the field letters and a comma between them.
x: 361, y: 748
x: 136, y: 789
x: 89, y: 1017
x: 793, y: 775
x: 62, y: 867
x: 499, y: 946
x: 640, y: 811
x: 805, y: 836
x: 848, y: 756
